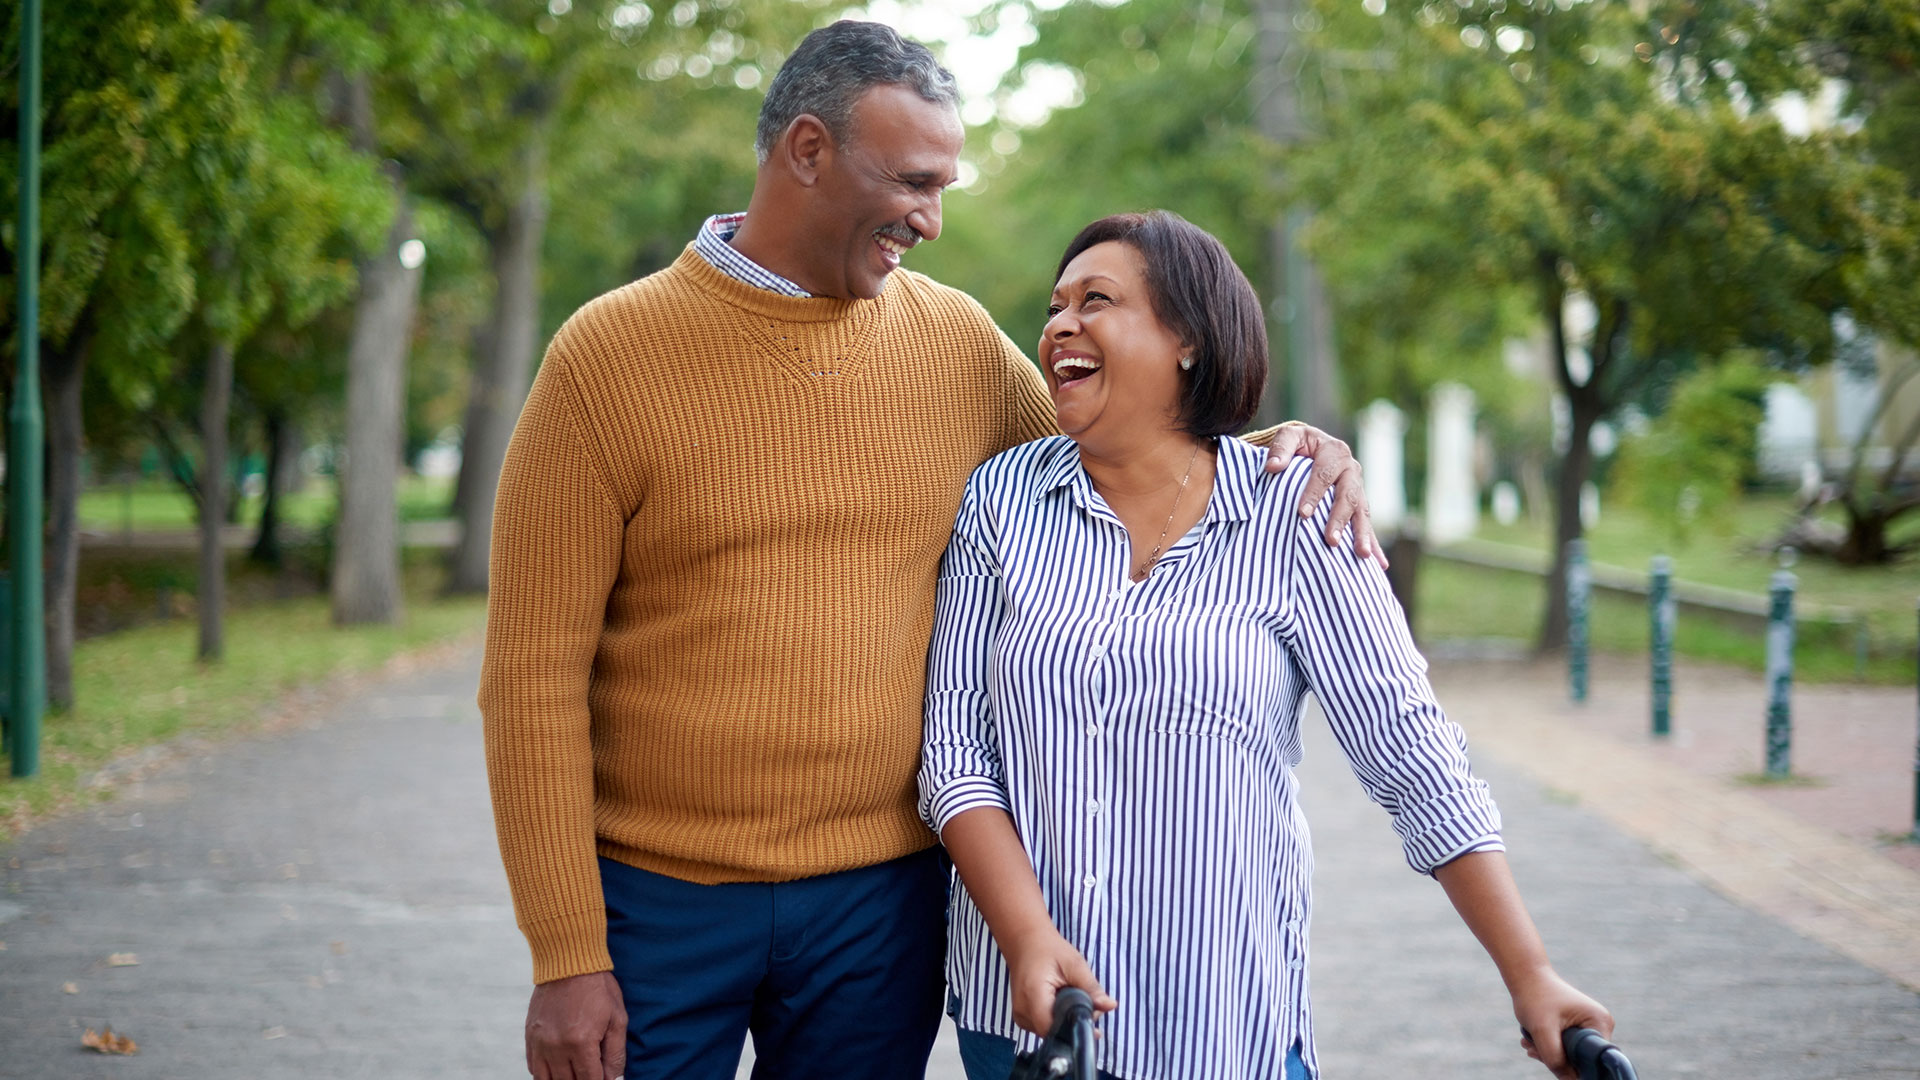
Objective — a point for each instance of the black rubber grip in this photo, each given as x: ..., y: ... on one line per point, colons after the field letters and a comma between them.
x: 1069, y: 1005
x: 1593, y: 1057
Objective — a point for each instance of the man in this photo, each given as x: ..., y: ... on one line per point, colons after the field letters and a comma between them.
x: 714, y: 557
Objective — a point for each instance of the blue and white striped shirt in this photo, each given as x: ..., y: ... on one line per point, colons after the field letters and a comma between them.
x: 711, y: 242
x: 1143, y: 738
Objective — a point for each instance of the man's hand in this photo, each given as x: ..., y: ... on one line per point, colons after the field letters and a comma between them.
x: 1546, y: 1006
x: 1038, y: 968
x: 577, y: 1029
x: 1334, y: 467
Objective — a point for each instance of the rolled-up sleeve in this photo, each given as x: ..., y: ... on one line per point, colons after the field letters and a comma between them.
x: 960, y: 761
x: 1349, y: 635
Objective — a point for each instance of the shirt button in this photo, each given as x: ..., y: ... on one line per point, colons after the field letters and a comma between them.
x: 1093, y: 806
x: 1090, y: 881
x: 1294, y: 965
x: 1097, y: 651
x: 1092, y: 730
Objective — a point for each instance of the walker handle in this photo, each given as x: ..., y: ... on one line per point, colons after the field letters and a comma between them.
x: 1593, y: 1057
x: 1067, y: 1052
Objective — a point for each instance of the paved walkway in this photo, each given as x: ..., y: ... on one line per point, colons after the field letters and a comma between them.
x: 324, y: 900
x: 1820, y: 854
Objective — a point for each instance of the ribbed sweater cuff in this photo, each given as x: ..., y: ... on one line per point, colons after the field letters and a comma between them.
x: 569, y: 945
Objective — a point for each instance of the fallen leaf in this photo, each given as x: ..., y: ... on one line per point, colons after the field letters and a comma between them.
x: 316, y: 982
x: 3, y: 946
x: 274, y: 1032
x: 69, y: 988
x: 106, y: 1042
x: 123, y: 959
x: 339, y: 947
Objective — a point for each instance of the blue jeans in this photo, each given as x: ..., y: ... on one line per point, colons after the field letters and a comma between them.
x: 990, y: 1057
x: 837, y: 977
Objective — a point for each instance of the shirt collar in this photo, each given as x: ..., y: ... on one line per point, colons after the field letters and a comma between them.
x: 712, y: 243
x: 1236, y: 481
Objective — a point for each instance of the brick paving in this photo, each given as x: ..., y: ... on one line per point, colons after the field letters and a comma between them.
x: 1853, y: 745
x: 325, y: 900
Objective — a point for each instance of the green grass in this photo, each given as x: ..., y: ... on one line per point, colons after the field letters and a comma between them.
x: 1458, y: 601
x: 1732, y: 552
x: 139, y: 687
x: 157, y: 505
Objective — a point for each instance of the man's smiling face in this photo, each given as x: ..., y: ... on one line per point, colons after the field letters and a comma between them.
x: 880, y: 189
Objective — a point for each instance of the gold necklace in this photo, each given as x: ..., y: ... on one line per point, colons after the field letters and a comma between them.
x: 1153, y: 557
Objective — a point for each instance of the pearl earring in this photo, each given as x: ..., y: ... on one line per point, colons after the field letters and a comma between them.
x: 1186, y: 362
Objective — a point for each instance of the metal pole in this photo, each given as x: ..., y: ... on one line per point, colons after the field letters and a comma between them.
x: 1663, y: 611
x: 1780, y: 675
x: 25, y: 485
x: 1579, y: 590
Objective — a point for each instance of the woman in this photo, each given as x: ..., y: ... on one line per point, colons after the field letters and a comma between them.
x: 1129, y: 619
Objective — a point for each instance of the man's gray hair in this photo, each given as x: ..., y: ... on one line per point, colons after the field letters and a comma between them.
x: 836, y: 64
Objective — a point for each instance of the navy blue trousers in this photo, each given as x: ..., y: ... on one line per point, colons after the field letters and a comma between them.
x: 837, y: 976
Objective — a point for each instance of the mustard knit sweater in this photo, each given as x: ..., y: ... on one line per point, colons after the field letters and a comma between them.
x: 714, y: 553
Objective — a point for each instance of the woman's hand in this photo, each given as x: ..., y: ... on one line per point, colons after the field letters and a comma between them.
x: 1547, y: 1005
x: 1037, y: 967
x: 1482, y: 890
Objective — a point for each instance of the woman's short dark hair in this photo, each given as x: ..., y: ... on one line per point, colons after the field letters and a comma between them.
x: 1198, y: 292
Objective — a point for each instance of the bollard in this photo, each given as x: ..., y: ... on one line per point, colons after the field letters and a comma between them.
x: 1915, y: 837
x: 1780, y: 675
x: 1663, y: 610
x: 1579, y: 592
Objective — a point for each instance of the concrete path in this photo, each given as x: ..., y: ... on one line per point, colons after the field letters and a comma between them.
x: 325, y: 901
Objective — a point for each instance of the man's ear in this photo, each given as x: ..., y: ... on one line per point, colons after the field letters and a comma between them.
x: 806, y: 148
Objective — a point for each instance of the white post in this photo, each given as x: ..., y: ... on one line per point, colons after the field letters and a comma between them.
x: 1382, y: 435
x: 1453, y: 498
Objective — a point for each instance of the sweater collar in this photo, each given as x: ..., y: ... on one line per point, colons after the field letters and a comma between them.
x: 772, y: 305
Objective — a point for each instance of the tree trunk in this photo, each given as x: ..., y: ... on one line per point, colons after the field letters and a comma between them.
x: 1869, y: 523
x: 291, y: 477
x: 1403, y: 575
x: 62, y: 372
x: 1567, y: 526
x: 1587, y: 403
x: 501, y: 374
x: 1300, y: 322
x: 266, y: 542
x: 215, y: 401
x: 464, y: 482
x: 366, y: 564
x: 1866, y: 542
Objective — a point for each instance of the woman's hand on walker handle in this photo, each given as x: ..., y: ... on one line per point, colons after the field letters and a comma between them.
x: 994, y: 868
x: 1334, y: 467
x: 1038, y: 965
x: 1482, y: 890
x: 1546, y: 1005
